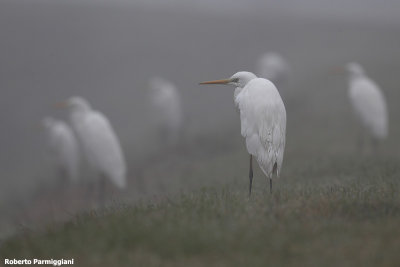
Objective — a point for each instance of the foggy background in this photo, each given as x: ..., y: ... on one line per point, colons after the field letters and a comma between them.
x: 106, y: 51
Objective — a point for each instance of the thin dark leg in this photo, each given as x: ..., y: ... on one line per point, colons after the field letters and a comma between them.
x: 270, y: 185
x: 63, y: 187
x: 360, y: 143
x: 375, y: 147
x: 274, y: 173
x: 102, y: 191
x: 251, y: 174
x: 90, y: 194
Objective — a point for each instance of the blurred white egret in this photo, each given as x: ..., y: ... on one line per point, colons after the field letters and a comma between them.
x: 63, y: 147
x: 166, y: 102
x: 368, y: 103
x: 99, y: 142
x: 263, y: 121
x: 274, y: 67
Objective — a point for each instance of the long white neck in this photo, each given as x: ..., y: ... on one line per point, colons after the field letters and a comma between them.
x: 241, y: 78
x: 356, y: 75
x: 353, y: 77
x: 236, y: 93
x: 76, y: 117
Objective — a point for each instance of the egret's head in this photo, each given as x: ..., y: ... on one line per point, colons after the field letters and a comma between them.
x: 156, y: 82
x: 272, y: 58
x: 77, y: 103
x: 354, y: 69
x: 239, y: 79
x: 159, y: 85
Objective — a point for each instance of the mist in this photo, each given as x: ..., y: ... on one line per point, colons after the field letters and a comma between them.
x: 108, y: 51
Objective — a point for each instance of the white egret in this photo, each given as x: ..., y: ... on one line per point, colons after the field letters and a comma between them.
x: 63, y: 147
x: 274, y: 67
x: 263, y: 121
x: 368, y: 103
x: 99, y: 142
x: 166, y: 102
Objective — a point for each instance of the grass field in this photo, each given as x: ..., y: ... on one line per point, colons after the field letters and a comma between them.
x: 313, y: 218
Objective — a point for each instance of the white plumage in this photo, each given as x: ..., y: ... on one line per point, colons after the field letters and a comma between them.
x: 263, y: 120
x: 166, y: 102
x: 244, y: 77
x: 368, y: 102
x: 63, y: 147
x: 274, y: 67
x: 99, y: 141
x: 263, y: 124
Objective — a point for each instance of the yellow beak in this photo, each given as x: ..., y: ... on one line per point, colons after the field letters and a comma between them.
x: 225, y: 81
x: 337, y: 70
x: 61, y: 105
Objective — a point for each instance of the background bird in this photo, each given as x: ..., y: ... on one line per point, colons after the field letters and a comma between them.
x: 263, y: 121
x: 274, y: 67
x: 99, y: 142
x: 369, y: 105
x: 63, y: 148
x: 166, y: 103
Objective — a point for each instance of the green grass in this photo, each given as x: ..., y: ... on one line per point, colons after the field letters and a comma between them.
x: 311, y: 219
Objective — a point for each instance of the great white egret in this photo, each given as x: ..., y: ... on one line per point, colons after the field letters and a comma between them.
x: 100, y: 144
x: 263, y: 121
x: 274, y: 67
x: 63, y: 147
x: 166, y: 102
x: 368, y: 103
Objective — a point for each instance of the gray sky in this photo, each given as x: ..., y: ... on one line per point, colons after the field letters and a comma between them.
x: 386, y: 11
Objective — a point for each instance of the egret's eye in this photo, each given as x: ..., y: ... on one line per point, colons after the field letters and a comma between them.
x: 235, y: 80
